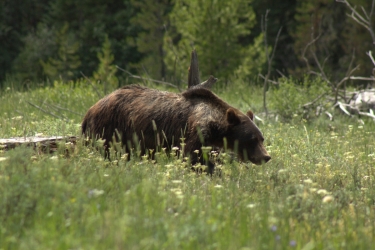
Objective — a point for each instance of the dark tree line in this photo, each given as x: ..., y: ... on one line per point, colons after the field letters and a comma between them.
x: 44, y: 40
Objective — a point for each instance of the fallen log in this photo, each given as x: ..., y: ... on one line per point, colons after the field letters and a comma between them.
x: 44, y: 144
x: 193, y: 74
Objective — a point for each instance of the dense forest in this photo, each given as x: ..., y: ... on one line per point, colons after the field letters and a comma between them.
x: 46, y: 40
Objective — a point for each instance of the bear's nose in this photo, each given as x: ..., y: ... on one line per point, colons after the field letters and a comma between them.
x: 267, y: 158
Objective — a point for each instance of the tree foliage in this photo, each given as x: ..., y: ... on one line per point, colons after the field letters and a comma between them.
x: 39, y: 45
x: 66, y: 62
x: 89, y: 22
x: 18, y: 20
x: 280, y: 15
x: 152, y: 18
x: 156, y: 38
x: 214, y: 29
x: 106, y: 72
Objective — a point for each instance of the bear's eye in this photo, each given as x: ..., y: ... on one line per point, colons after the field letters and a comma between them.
x: 253, y: 138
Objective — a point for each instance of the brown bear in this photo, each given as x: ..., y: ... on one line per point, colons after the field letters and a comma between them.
x: 159, y: 119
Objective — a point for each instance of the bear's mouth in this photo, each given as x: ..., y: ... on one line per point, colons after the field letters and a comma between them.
x: 260, y: 161
x: 256, y: 162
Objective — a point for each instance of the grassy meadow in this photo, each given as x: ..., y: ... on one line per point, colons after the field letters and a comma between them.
x: 317, y: 192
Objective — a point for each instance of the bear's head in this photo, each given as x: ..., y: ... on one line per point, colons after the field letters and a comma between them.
x: 244, y: 137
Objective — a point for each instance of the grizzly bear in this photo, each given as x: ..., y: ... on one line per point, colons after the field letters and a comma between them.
x: 160, y: 119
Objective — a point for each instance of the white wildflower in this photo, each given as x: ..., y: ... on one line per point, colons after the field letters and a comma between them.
x: 327, y: 199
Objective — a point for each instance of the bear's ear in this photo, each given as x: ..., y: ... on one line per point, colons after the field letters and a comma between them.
x: 232, y: 117
x: 250, y: 114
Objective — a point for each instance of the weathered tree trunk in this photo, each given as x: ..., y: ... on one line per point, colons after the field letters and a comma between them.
x: 45, y: 144
x: 193, y: 75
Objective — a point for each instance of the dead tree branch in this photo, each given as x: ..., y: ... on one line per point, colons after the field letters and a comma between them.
x: 365, y: 19
x: 308, y: 47
x: 92, y: 85
x: 314, y: 101
x: 268, y: 57
x: 147, y: 79
x: 65, y: 109
x: 193, y: 72
x: 47, y: 112
x: 45, y: 144
x: 208, y: 83
x: 371, y: 57
x: 338, y: 96
x: 270, y: 81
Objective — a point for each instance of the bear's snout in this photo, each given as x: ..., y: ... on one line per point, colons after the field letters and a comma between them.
x: 260, y: 161
x: 267, y: 158
x: 259, y: 155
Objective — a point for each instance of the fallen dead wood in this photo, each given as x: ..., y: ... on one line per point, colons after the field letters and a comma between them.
x: 193, y: 74
x: 44, y: 144
x: 360, y: 103
x: 147, y: 79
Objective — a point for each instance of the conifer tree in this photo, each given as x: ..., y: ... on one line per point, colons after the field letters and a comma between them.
x: 152, y: 17
x: 17, y: 20
x: 65, y: 63
x: 214, y: 29
x: 106, y: 72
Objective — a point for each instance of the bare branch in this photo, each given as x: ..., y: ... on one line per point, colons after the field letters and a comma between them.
x: 366, y: 114
x: 354, y: 11
x: 351, y: 63
x: 265, y: 84
x: 207, y: 84
x: 343, y: 106
x: 322, y: 73
x: 264, y: 78
x: 362, y: 78
x: 347, y: 77
x: 280, y: 73
x: 146, y: 79
x: 371, y: 57
x: 47, y: 112
x: 314, y: 101
x: 307, y: 47
x: 365, y: 13
x: 364, y: 21
x: 264, y: 30
x: 269, y: 58
x: 349, y: 72
x: 64, y: 109
x: 274, y: 47
x: 329, y: 115
x: 92, y: 85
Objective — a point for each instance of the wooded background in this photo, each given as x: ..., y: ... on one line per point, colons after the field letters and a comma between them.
x: 47, y: 40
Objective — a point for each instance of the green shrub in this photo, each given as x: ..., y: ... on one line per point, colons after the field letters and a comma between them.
x: 289, y: 97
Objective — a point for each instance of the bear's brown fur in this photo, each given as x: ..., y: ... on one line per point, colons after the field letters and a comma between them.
x: 160, y: 119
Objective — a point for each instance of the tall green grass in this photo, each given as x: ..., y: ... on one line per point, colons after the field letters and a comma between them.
x: 317, y: 192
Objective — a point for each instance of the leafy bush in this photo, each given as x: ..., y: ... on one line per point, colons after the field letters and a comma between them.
x: 289, y: 97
